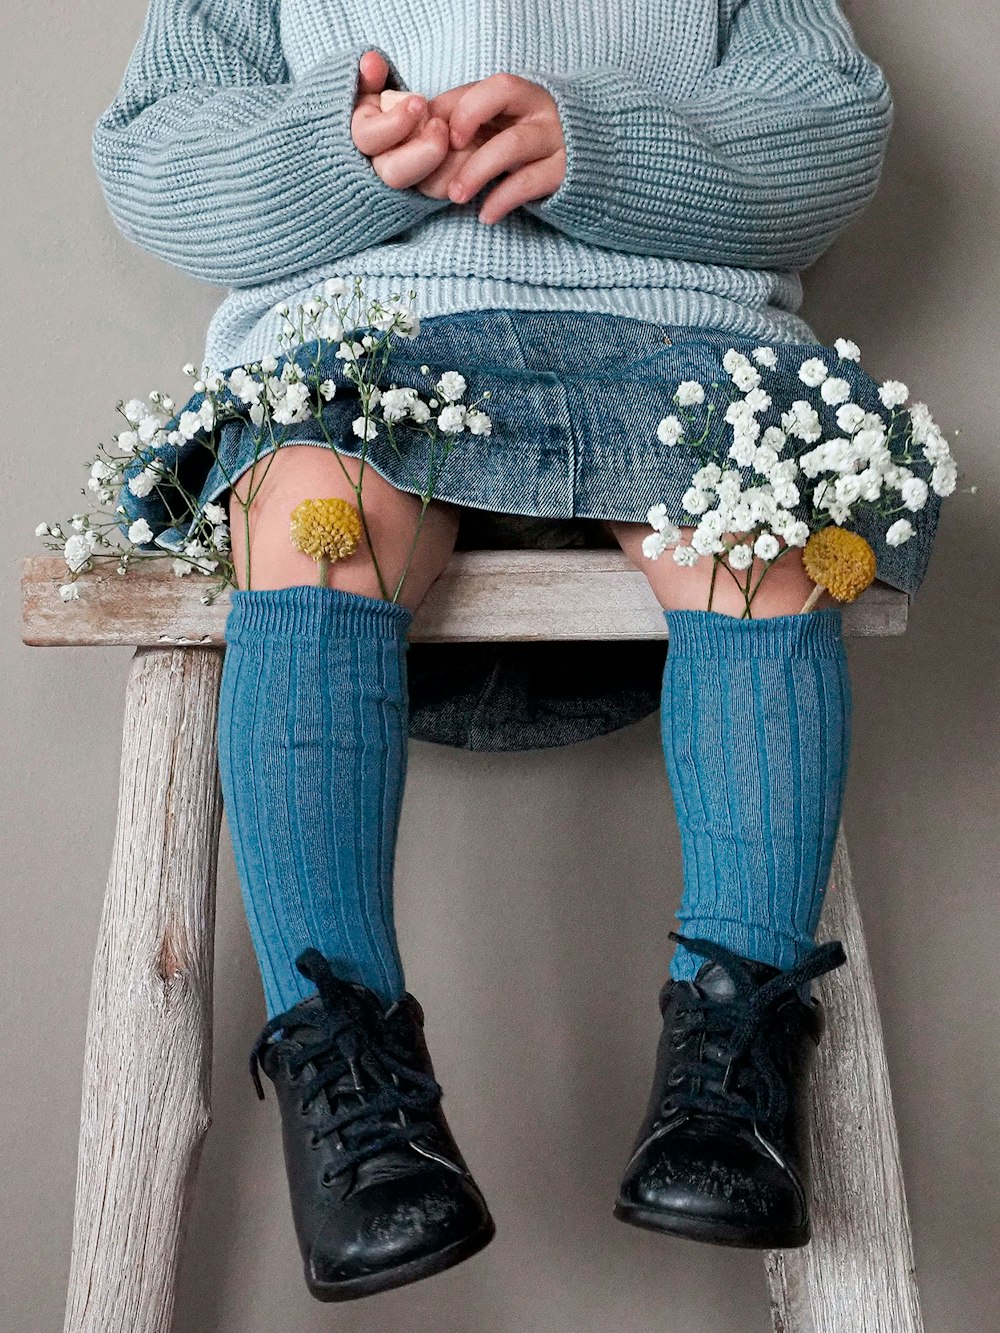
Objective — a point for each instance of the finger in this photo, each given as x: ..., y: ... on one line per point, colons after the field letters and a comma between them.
x: 435, y: 185
x: 442, y: 104
x: 410, y: 162
x: 534, y: 181
x: 374, y: 72
x: 510, y: 148
x: 376, y: 131
x: 500, y: 94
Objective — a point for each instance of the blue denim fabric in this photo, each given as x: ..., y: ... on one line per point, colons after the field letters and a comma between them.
x: 576, y: 398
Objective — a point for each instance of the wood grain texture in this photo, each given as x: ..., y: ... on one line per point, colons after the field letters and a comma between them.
x: 483, y: 596
x: 857, y: 1273
x: 147, y: 1069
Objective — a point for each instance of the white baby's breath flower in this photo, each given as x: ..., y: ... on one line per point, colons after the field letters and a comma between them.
x: 766, y: 546
x: 134, y: 410
x: 451, y: 419
x: 847, y: 350
x: 77, y: 552
x: 765, y: 356
x: 893, y: 393
x: 653, y: 545
x: 143, y: 483
x: 215, y: 513
x: 850, y: 416
x: 774, y: 438
x: 796, y: 533
x: 899, y: 532
x: 656, y: 515
x: 69, y: 592
x: 365, y: 428
x: 128, y: 441
x: 686, y: 556
x: 913, y: 493
x: 921, y: 422
x: 190, y: 424
x: 742, y: 451
x: 451, y: 385
x: 758, y: 400
x: 707, y: 477
x: 733, y: 360
x: 695, y: 501
x: 689, y: 393
x: 741, y: 556
x: 813, y: 372
x: 764, y: 459
x: 396, y: 403
x: 670, y: 431
x: 707, y: 541
x: 328, y: 389
x: 944, y: 477
x: 936, y: 448
x: 478, y: 423
x: 140, y: 532
x: 334, y: 287
x: 802, y: 421
x: 42, y: 530
x: 745, y: 378
x: 834, y: 391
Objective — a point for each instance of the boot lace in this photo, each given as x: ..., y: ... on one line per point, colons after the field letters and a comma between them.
x: 716, y: 1081
x: 389, y: 1103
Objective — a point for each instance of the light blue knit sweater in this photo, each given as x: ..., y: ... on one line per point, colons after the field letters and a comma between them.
x: 714, y: 149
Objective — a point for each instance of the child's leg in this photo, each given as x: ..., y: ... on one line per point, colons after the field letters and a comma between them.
x: 313, y: 723
x: 755, y: 723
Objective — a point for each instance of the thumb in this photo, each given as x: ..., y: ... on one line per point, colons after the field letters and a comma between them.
x: 374, y: 72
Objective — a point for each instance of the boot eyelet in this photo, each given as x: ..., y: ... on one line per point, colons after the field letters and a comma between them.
x: 304, y: 1110
x: 313, y: 1140
x: 326, y: 1180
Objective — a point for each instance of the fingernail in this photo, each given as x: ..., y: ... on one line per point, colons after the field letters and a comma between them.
x: 458, y: 193
x: 415, y: 104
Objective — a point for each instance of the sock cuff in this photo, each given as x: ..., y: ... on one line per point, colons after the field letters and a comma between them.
x: 713, y: 634
x: 311, y: 610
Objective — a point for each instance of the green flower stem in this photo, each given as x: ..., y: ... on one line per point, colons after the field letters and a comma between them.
x: 716, y: 561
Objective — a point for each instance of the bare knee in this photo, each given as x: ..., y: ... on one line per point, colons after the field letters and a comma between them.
x: 261, y: 504
x: 783, y: 591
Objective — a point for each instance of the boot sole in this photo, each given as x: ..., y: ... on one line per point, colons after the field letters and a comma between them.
x: 369, y: 1284
x: 712, y: 1232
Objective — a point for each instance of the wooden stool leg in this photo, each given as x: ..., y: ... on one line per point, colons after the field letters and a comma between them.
x: 857, y: 1274
x: 147, y: 1070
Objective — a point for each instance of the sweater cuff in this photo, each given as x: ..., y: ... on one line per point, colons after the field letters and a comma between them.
x: 593, y: 162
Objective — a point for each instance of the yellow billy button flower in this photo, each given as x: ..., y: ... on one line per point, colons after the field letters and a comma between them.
x: 840, y: 561
x: 327, y: 530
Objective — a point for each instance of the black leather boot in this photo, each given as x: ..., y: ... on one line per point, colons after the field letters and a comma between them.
x: 380, y: 1193
x: 721, y: 1155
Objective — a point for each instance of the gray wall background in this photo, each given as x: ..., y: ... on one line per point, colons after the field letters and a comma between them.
x: 535, y: 890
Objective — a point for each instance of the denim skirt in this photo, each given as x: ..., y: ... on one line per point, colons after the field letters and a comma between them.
x: 575, y: 401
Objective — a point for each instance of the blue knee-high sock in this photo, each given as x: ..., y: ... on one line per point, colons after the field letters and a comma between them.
x: 756, y: 727
x: 313, y: 717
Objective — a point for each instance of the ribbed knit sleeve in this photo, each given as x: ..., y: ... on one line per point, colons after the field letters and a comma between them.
x: 212, y: 158
x: 774, y: 151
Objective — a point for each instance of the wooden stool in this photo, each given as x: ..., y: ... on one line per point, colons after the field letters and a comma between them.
x: 146, y: 1087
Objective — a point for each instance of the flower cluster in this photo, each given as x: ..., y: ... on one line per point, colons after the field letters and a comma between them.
x: 271, y: 395
x: 751, y: 490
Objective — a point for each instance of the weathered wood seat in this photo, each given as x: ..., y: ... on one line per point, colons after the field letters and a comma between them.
x: 146, y: 1100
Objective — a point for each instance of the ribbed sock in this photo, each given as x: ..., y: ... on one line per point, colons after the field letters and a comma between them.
x: 756, y: 725
x: 313, y: 734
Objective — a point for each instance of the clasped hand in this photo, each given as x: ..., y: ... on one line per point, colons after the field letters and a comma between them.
x: 452, y: 145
